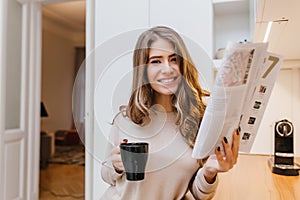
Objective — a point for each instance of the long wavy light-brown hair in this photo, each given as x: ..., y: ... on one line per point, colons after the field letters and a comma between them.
x: 187, y: 101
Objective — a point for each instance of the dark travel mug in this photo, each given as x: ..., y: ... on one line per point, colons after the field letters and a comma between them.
x: 134, y: 157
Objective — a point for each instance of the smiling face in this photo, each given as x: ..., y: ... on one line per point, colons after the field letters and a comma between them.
x: 164, y: 74
x: 163, y: 69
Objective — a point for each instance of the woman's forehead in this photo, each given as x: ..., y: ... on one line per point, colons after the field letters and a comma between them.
x: 162, y: 46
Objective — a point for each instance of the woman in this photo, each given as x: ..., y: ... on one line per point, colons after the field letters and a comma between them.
x: 165, y: 110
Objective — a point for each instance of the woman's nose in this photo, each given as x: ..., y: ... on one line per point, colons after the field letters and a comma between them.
x: 166, y: 67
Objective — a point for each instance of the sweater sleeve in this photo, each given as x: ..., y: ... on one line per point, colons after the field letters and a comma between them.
x: 200, y: 189
x: 108, y: 173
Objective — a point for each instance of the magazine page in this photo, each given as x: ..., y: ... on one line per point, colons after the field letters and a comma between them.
x: 257, y: 100
x: 239, y: 70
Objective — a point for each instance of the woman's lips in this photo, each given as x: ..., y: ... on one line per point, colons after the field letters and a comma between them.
x: 167, y: 80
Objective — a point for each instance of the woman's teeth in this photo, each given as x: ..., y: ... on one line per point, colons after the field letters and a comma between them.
x: 167, y: 80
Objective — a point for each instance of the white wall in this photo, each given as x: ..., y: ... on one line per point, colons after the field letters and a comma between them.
x: 58, y: 56
x: 58, y: 62
x: 115, y: 36
x: 192, y: 19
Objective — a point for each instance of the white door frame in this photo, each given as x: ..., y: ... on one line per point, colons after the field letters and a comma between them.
x: 22, y: 142
x: 32, y: 34
x: 2, y: 86
x: 89, y: 99
x: 89, y: 85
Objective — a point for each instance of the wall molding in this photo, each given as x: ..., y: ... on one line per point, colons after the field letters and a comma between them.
x: 290, y: 64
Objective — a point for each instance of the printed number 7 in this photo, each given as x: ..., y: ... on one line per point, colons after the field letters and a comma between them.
x: 275, y: 61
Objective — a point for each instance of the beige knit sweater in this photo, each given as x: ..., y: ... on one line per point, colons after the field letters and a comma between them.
x: 170, y: 168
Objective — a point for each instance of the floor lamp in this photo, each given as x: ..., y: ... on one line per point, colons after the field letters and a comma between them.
x: 44, y: 113
x: 45, y: 143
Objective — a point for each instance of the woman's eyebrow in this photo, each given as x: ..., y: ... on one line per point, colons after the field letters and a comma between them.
x: 174, y: 54
x: 155, y: 57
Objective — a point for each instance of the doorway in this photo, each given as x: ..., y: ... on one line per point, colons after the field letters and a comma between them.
x: 63, y: 50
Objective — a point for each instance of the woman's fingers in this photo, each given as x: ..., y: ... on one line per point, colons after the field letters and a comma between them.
x: 117, y: 163
x: 231, y: 151
x: 236, y: 144
x: 115, y: 150
x: 116, y: 159
x: 219, y: 155
x: 124, y: 141
x: 228, y: 154
x: 226, y: 159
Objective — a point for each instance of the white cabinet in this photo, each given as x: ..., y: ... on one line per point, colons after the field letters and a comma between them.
x: 233, y: 21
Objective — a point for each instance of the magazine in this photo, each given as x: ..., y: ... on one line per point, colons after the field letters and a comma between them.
x: 239, y: 97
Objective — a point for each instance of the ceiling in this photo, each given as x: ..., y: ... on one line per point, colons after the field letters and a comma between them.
x: 283, y: 37
x: 70, y: 14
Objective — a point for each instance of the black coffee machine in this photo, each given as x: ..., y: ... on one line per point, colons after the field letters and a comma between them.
x: 283, y: 161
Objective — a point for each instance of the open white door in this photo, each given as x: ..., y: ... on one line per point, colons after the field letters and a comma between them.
x: 19, y: 99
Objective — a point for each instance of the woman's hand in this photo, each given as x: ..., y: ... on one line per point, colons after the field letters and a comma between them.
x: 116, y: 158
x: 222, y: 161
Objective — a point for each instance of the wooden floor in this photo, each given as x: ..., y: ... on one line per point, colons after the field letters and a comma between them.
x: 62, y: 182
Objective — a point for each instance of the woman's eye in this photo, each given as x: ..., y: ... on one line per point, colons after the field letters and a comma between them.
x: 174, y: 60
x: 155, y: 61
